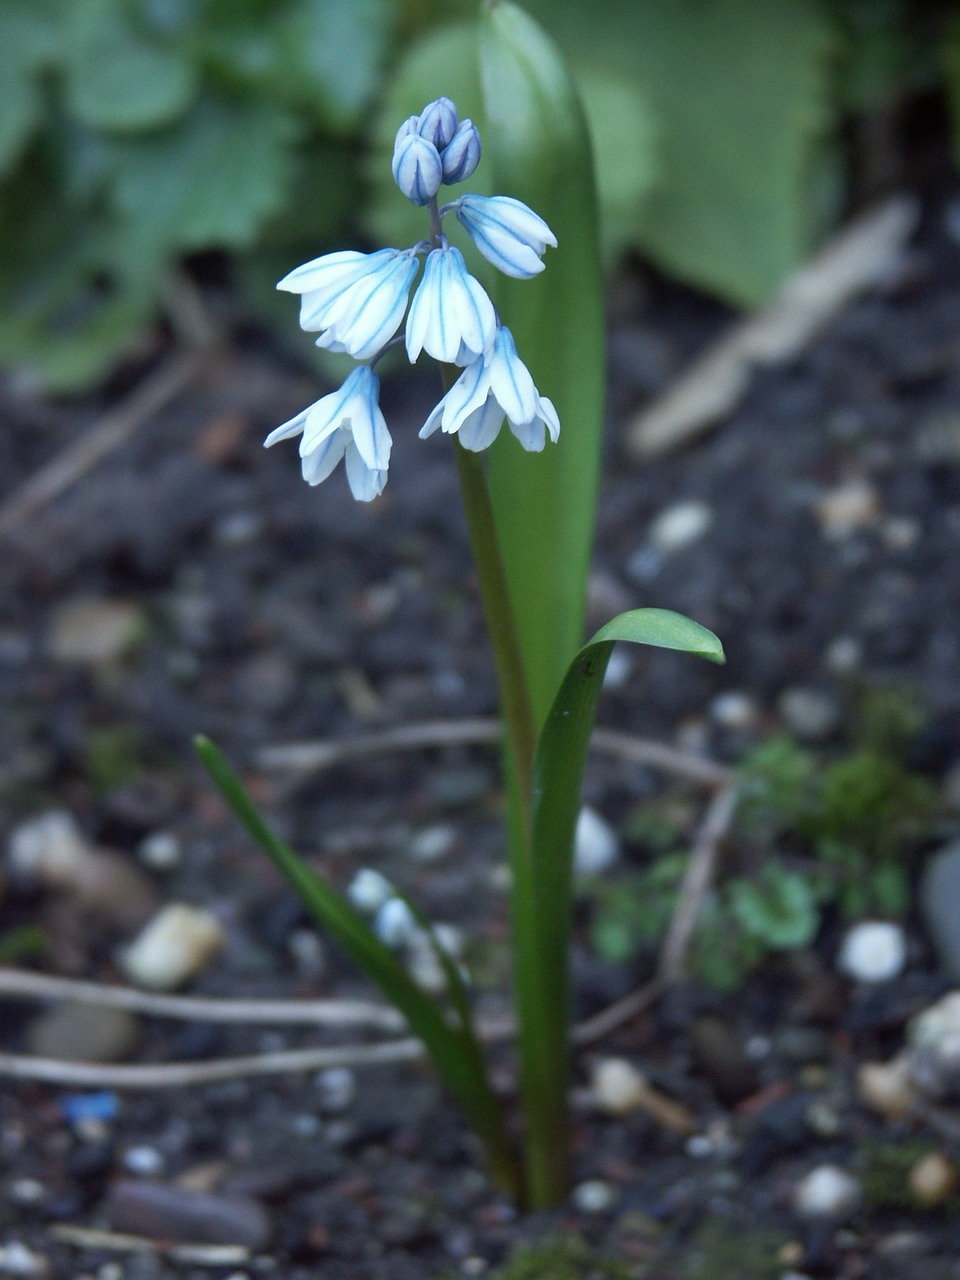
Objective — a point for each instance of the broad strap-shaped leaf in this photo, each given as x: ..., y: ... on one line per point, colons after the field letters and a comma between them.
x: 452, y: 1047
x: 538, y: 150
x: 546, y: 894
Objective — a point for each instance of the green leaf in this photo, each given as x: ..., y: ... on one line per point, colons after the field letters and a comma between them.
x: 452, y: 1048
x: 28, y: 42
x: 779, y: 910
x: 209, y: 182
x: 538, y: 150
x: 119, y: 76
x: 950, y: 53
x: 741, y: 96
x: 323, y: 55
x: 543, y: 870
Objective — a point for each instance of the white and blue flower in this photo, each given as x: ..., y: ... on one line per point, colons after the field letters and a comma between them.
x: 355, y: 300
x: 507, y: 232
x: 461, y: 155
x: 451, y: 316
x: 417, y: 168
x: 438, y: 122
x: 347, y: 424
x: 496, y: 386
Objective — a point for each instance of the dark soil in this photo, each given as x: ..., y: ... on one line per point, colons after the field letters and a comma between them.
x: 273, y: 613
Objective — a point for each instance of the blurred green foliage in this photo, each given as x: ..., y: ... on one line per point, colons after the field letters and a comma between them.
x: 134, y: 132
x: 809, y: 835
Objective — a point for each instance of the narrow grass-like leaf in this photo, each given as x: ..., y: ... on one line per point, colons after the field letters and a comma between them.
x: 538, y: 149
x: 453, y: 1048
x: 547, y: 894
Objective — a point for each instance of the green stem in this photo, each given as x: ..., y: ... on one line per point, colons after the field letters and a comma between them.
x: 543, y: 1050
x: 514, y: 696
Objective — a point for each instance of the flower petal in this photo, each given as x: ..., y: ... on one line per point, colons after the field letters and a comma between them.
x: 481, y: 427
x: 510, y: 379
x: 507, y: 232
x: 323, y: 458
x: 366, y: 483
x: 450, y: 311
x: 288, y: 430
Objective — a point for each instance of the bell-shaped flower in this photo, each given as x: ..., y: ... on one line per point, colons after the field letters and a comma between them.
x: 356, y: 300
x: 461, y: 155
x: 451, y: 317
x: 347, y: 424
x: 507, y: 232
x: 438, y: 122
x: 496, y: 386
x: 417, y: 169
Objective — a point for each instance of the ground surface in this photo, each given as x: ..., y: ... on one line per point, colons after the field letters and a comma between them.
x: 266, y: 612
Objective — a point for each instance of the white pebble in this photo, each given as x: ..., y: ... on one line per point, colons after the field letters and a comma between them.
x: 853, y: 505
x: 160, y: 851
x: 173, y: 947
x: 596, y: 847
x: 680, y: 525
x: 593, y: 1196
x: 432, y: 843
x: 338, y: 1088
x: 306, y: 948
x: 146, y: 1162
x: 619, y: 669
x: 734, y: 710
x: 369, y: 890
x: 17, y: 1260
x: 827, y: 1192
x: 394, y: 923
x: 873, y: 951
x: 617, y: 1086
x: 49, y: 848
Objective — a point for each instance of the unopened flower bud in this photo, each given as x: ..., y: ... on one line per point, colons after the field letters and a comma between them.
x: 438, y: 122
x: 462, y: 153
x: 410, y: 125
x: 417, y: 169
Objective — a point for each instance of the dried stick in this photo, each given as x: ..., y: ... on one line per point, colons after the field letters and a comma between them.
x: 857, y: 257
x: 171, y: 1075
x: 112, y: 430
x: 20, y: 984
x: 696, y: 882
x: 314, y: 756
x: 196, y: 1255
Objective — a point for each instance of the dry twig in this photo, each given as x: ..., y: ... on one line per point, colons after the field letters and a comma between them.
x: 108, y: 434
x: 320, y: 754
x: 197, y: 1255
x: 21, y: 984
x: 712, y: 387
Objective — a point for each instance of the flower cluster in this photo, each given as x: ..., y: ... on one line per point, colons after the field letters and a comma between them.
x: 358, y: 302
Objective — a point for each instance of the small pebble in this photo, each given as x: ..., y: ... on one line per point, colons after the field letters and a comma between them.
x: 594, y: 1196
x: 886, y: 1087
x: 95, y: 633
x: 619, y: 669
x: 368, y: 891
x: 851, y: 506
x: 934, y: 1055
x: 680, y: 526
x: 160, y: 851
x: 306, y: 948
x: 17, y: 1260
x: 145, y: 1162
x: 27, y: 1191
x: 617, y: 1086
x: 933, y: 1180
x: 394, y: 923
x: 49, y: 848
x: 432, y: 843
x: 166, y: 1212
x: 734, y: 710
x: 596, y: 846
x: 337, y: 1087
x: 174, y: 947
x: 939, y: 894
x: 843, y: 655
x: 83, y: 1033
x: 873, y: 951
x: 827, y: 1192
x: 809, y: 714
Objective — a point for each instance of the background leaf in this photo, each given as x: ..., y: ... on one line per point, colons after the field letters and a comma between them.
x: 28, y: 42
x: 118, y: 76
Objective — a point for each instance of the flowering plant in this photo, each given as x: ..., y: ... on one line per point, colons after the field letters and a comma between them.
x: 358, y: 303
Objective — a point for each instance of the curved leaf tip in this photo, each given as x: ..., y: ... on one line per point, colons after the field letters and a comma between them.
x: 664, y: 629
